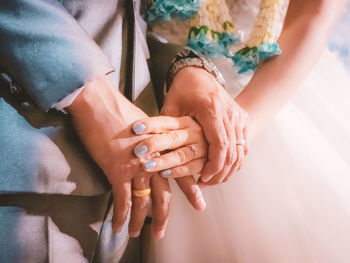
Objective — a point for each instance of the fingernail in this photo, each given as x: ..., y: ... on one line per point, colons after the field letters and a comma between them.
x: 160, y: 234
x: 134, y: 234
x: 205, y: 179
x: 117, y: 230
x: 201, y: 204
x: 150, y: 165
x: 139, y: 128
x: 140, y: 150
x: 165, y: 173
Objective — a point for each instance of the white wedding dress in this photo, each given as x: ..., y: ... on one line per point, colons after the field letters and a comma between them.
x: 291, y: 201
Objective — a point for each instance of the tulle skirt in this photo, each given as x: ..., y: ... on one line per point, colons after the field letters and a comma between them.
x: 291, y: 200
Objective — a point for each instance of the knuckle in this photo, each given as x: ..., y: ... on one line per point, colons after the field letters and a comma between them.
x: 144, y: 203
x: 166, y: 122
x: 231, y: 157
x: 245, y: 115
x: 210, y: 106
x: 181, y: 156
x: 141, y: 180
x: 173, y: 137
x: 124, y: 205
x: 165, y: 200
x: 179, y: 171
x: 229, y: 113
x: 223, y: 143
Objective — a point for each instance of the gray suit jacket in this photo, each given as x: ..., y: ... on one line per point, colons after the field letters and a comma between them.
x: 54, y: 200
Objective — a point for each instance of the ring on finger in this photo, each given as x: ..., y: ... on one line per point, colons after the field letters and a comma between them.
x: 141, y: 192
x: 240, y: 142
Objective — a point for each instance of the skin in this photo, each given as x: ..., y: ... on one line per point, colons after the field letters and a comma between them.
x: 104, y: 119
x: 308, y: 24
x: 222, y: 119
x: 304, y: 36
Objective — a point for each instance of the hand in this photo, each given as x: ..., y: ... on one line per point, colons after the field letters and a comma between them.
x: 189, y: 152
x: 103, y: 119
x: 194, y: 92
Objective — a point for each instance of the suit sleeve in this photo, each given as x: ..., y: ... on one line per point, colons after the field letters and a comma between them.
x: 45, y: 51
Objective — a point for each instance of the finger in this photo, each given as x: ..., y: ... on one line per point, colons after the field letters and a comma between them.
x: 140, y: 205
x: 246, y: 138
x: 231, y: 156
x: 160, y: 124
x: 215, y: 134
x: 240, y: 148
x: 191, y: 168
x: 175, y: 158
x: 240, y: 153
x: 192, y: 192
x: 167, y: 141
x: 161, y: 196
x: 121, y: 204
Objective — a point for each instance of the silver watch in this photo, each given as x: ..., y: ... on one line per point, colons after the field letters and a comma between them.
x: 190, y: 58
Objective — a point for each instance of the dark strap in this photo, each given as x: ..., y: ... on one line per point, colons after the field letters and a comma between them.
x: 129, y: 33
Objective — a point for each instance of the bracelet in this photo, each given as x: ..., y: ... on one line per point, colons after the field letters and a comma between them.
x: 190, y: 58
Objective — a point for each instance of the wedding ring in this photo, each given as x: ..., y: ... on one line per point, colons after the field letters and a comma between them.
x: 141, y: 192
x: 240, y: 142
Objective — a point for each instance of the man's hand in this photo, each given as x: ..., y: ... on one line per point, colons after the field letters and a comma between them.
x: 194, y: 92
x: 103, y: 119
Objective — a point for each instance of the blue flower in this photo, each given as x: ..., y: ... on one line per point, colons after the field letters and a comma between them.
x: 218, y: 44
x: 226, y: 40
x: 247, y: 59
x: 268, y: 50
x: 165, y: 10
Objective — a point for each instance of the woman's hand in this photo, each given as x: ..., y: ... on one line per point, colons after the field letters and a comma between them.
x: 194, y: 92
x: 103, y: 119
x: 177, y: 148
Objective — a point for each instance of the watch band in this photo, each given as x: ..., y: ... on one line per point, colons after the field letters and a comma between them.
x: 190, y: 58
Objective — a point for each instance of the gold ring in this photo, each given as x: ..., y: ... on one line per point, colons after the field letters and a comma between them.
x: 141, y: 192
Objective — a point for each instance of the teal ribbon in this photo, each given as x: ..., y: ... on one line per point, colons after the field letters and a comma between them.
x: 165, y: 10
x: 247, y: 59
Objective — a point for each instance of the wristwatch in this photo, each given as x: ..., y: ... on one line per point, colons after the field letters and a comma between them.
x: 190, y: 58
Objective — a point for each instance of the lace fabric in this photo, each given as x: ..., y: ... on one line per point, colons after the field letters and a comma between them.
x: 213, y: 31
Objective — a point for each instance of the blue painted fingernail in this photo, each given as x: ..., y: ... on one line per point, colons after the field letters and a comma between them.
x: 150, y: 164
x: 165, y: 173
x: 140, y: 150
x: 139, y: 128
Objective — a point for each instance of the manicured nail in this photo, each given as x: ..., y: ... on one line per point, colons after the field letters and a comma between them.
x: 139, y: 128
x: 140, y: 150
x: 150, y: 165
x: 159, y: 234
x: 165, y: 173
x: 201, y: 204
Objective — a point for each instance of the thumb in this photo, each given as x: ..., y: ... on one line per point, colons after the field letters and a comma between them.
x: 170, y: 109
